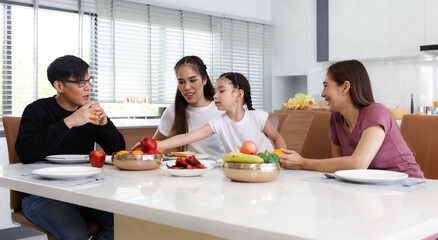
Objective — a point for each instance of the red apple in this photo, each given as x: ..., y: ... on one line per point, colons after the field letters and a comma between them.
x: 147, y: 144
x: 152, y: 151
x: 97, y: 158
x: 248, y: 147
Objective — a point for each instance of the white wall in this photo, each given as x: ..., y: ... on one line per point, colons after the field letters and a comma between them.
x: 251, y: 10
x: 392, y: 79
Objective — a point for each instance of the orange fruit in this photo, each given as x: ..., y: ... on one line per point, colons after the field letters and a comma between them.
x: 162, y: 150
x: 137, y: 152
x: 278, y: 151
x: 121, y: 152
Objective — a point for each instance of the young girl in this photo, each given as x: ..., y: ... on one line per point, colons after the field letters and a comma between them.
x: 236, y: 125
x: 193, y: 107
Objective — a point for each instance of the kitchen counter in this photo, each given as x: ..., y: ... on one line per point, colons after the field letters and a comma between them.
x: 291, y: 207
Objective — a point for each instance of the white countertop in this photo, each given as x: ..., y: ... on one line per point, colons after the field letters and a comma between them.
x: 287, y: 208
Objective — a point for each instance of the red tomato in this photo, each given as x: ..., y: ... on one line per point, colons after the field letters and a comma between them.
x: 147, y: 144
x: 248, y: 147
x: 97, y: 158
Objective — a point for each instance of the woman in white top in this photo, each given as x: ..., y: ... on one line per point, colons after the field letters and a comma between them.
x: 193, y: 107
x: 237, y: 124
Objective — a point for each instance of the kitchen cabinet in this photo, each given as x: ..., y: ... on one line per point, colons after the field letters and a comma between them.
x: 373, y: 29
x: 431, y: 22
x: 367, y: 29
x: 343, y: 37
x: 406, y: 27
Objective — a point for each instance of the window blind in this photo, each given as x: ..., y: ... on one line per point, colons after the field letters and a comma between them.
x: 132, y: 49
x: 33, y: 34
x: 147, y: 41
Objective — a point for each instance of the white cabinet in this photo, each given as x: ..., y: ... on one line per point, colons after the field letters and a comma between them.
x: 343, y: 37
x: 406, y: 27
x: 366, y: 29
x: 431, y: 22
x: 373, y: 29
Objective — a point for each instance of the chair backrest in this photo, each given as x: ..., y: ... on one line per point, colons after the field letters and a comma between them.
x: 421, y: 135
x: 317, y: 144
x: 11, y: 125
x: 279, y: 121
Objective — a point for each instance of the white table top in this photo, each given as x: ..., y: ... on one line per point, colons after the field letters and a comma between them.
x: 287, y: 208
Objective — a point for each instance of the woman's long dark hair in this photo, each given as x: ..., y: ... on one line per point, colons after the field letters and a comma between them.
x: 180, y: 124
x: 360, y: 85
x: 240, y: 82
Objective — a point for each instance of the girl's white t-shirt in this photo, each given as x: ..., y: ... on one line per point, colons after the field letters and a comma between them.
x: 233, y: 134
x: 198, y: 117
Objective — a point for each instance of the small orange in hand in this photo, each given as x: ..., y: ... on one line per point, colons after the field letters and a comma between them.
x: 94, y: 113
x: 121, y: 152
x: 278, y: 152
x: 137, y: 152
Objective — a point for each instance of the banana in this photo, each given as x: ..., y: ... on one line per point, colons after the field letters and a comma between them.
x: 242, y: 158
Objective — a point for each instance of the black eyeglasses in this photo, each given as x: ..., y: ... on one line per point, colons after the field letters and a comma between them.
x: 81, y: 83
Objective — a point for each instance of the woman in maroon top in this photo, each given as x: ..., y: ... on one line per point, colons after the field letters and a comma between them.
x: 363, y: 133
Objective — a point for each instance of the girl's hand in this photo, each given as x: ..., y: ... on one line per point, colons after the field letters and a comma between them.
x: 291, y: 160
x: 136, y: 146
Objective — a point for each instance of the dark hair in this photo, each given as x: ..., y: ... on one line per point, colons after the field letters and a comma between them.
x: 360, y: 85
x: 240, y: 82
x: 65, y: 67
x: 180, y: 124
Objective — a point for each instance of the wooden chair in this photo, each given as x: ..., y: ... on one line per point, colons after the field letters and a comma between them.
x: 317, y: 144
x: 134, y: 135
x: 11, y: 126
x: 279, y: 121
x: 421, y: 134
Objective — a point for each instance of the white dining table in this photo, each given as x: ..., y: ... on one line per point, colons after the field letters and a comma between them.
x: 296, y: 205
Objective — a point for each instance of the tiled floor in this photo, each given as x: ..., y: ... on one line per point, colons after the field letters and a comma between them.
x: 21, y: 233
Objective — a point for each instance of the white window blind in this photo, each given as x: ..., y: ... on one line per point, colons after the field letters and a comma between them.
x: 139, y: 45
x: 132, y: 49
x: 33, y: 34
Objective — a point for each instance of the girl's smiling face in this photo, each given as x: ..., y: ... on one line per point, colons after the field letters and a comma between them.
x: 191, y: 85
x: 226, y: 95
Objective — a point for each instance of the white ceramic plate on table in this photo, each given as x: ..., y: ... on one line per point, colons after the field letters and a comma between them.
x: 187, y: 172
x: 66, y: 172
x: 197, y: 156
x: 68, y: 158
x: 370, y: 175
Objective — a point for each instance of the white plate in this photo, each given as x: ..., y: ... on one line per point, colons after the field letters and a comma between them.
x: 370, y: 175
x: 66, y: 172
x: 197, y: 156
x: 68, y: 158
x: 187, y: 172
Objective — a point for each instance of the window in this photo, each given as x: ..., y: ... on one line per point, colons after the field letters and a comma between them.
x: 140, y: 44
x: 31, y: 40
x: 131, y: 47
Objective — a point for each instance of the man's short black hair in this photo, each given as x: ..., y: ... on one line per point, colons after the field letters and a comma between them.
x: 65, y: 67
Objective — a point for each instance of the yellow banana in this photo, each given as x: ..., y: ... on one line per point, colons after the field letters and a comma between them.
x: 239, y: 157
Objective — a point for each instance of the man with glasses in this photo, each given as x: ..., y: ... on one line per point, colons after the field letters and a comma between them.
x: 67, y: 123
